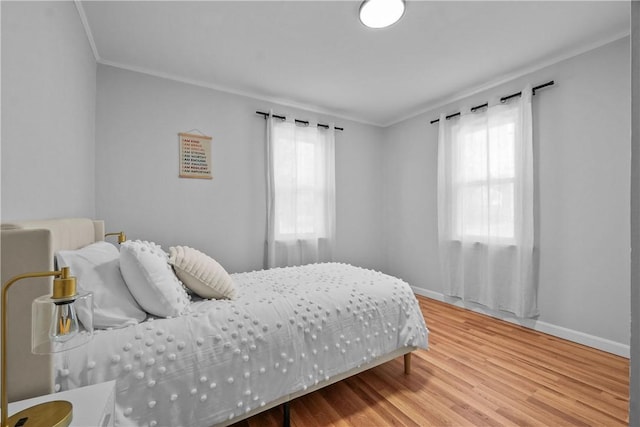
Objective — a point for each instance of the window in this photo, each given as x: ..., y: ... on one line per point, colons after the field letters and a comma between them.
x: 300, y: 194
x: 296, y: 191
x: 301, y: 184
x: 485, y: 184
x: 485, y: 206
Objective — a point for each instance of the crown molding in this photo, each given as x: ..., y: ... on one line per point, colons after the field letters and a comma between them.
x: 87, y: 29
x: 457, y: 96
x: 247, y: 94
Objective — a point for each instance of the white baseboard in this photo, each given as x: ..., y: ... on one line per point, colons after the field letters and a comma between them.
x: 548, y: 328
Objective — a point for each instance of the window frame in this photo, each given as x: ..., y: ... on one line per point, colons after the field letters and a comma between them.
x: 485, y: 182
x: 316, y: 190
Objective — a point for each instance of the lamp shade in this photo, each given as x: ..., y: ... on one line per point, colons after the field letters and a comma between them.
x: 58, y: 326
x: 381, y: 13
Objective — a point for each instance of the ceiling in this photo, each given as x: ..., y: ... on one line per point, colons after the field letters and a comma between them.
x: 316, y: 55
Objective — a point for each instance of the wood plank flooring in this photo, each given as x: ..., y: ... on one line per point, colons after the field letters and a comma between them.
x: 478, y: 371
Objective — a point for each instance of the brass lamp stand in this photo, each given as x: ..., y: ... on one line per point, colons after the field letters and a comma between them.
x: 121, y: 236
x: 56, y: 413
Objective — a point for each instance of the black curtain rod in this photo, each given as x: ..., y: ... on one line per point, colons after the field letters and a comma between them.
x: 303, y: 122
x: 503, y: 99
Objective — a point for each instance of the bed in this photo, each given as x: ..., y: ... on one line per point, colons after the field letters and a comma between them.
x: 288, y: 332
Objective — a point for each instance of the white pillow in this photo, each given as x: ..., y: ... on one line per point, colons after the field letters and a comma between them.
x: 201, y: 273
x: 97, y: 270
x: 151, y: 280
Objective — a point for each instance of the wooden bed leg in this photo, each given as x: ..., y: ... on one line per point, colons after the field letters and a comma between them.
x: 286, y: 415
x: 407, y: 364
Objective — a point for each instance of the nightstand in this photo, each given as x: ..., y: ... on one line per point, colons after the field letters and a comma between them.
x: 92, y: 405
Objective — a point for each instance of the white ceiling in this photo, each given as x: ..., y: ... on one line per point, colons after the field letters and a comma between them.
x: 317, y: 55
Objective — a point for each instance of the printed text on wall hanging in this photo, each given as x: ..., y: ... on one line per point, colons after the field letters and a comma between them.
x: 195, y: 156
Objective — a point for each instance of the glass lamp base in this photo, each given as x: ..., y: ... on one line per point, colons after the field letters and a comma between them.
x: 50, y: 414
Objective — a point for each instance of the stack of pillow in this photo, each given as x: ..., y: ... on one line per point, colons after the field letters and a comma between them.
x: 140, y: 279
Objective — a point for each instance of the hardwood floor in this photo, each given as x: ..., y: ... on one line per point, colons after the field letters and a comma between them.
x: 478, y: 371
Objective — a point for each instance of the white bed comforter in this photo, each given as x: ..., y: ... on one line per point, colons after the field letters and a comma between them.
x: 289, y: 329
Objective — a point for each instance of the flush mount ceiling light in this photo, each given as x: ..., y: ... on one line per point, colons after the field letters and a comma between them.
x: 381, y: 13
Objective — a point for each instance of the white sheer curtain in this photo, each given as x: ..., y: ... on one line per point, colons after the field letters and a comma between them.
x: 301, y: 193
x: 485, y: 207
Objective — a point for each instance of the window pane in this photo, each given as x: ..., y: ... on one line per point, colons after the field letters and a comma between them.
x: 307, y: 210
x: 473, y: 209
x: 501, y: 151
x: 473, y: 156
x: 501, y: 210
x: 284, y: 162
x: 306, y: 164
x: 285, y: 212
x: 487, y: 211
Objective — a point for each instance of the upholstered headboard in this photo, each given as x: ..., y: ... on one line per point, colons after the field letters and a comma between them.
x: 30, y: 247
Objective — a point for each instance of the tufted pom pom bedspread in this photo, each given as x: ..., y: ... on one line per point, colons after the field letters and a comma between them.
x: 287, y: 330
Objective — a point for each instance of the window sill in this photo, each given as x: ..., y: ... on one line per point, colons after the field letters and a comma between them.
x: 504, y: 244
x: 304, y: 238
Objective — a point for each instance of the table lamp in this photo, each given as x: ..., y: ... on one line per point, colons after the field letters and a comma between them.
x: 121, y: 236
x: 60, y: 321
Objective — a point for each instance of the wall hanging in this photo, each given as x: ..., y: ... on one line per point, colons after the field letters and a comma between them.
x: 195, y: 156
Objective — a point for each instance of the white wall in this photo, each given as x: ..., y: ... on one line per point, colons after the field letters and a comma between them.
x: 48, y: 112
x: 581, y: 142
x: 138, y: 118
